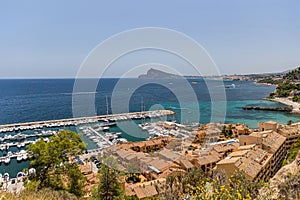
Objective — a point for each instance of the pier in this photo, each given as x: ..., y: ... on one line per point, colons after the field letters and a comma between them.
x: 101, y: 136
x: 83, y: 120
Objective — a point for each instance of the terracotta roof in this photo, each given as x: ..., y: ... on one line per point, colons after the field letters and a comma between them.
x: 239, y: 153
x: 209, y: 157
x: 160, y: 164
x: 186, y: 164
x: 250, y: 161
x: 271, y: 122
x: 270, y: 140
x: 144, y: 192
x: 169, y: 155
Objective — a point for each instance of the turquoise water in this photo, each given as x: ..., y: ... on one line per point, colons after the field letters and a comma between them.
x: 14, y: 167
x: 37, y: 100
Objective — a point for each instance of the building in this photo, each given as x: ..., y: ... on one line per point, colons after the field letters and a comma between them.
x: 144, y: 190
x: 266, y: 126
x: 270, y: 141
x: 207, y: 160
x: 291, y: 133
x: 253, y: 161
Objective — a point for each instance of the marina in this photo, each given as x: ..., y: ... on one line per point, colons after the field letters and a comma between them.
x: 95, y: 132
x: 83, y: 120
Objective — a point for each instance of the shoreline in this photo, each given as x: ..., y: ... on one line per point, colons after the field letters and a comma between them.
x: 288, y: 102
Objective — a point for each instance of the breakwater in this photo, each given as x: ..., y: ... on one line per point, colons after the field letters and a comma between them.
x: 83, y: 120
x: 282, y: 109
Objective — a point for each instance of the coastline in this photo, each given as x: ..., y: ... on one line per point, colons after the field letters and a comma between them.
x: 288, y: 102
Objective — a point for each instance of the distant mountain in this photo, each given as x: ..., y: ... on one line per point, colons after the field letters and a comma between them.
x: 155, y: 73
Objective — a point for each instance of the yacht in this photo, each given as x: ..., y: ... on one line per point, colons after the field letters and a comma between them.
x: 24, y: 157
x: 9, y: 154
x: 7, y: 160
x: 2, y: 147
x: 19, y: 157
x: 23, y: 144
x: 230, y: 86
x: 6, y: 177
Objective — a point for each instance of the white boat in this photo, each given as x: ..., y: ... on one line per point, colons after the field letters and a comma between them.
x: 20, y: 174
x: 23, y: 144
x: 19, y: 145
x: 2, y: 147
x: 7, y: 160
x: 122, y: 140
x: 6, y: 177
x: 22, y: 151
x: 9, y: 154
x: 19, y: 158
x: 24, y: 157
x: 230, y: 86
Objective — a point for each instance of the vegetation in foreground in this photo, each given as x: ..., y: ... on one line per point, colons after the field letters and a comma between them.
x: 52, y: 163
x: 58, y: 178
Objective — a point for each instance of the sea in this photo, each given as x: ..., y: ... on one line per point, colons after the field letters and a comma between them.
x: 28, y: 100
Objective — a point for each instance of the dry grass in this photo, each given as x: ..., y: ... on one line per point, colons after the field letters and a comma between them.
x: 44, y: 194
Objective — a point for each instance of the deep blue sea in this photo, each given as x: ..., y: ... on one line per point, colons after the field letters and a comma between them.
x: 47, y: 99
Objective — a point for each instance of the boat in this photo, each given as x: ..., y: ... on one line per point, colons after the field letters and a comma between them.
x: 19, y: 157
x: 24, y: 156
x: 6, y: 176
x: 2, y: 147
x: 23, y: 144
x: 7, y: 160
x: 19, y: 145
x: 19, y: 176
x: 31, y: 171
x: 230, y: 86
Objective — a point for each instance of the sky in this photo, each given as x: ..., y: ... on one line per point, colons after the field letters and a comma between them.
x: 51, y: 39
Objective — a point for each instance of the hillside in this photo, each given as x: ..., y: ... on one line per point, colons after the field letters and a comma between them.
x: 287, y: 86
x: 285, y: 184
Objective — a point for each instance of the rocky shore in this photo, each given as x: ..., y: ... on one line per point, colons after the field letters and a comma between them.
x: 288, y: 102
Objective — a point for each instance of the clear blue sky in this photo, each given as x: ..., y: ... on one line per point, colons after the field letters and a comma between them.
x: 52, y: 38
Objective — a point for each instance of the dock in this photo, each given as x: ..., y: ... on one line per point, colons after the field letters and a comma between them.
x: 101, y: 136
x: 83, y: 120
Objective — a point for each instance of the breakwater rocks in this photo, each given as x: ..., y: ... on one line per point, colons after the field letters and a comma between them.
x: 282, y: 109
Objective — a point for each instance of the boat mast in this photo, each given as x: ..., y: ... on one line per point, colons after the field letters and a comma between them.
x: 142, y: 109
x: 106, y: 100
x: 142, y: 104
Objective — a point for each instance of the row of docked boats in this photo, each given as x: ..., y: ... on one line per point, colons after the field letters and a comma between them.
x: 47, y: 125
x: 136, y: 116
x: 19, y: 140
x: 159, y: 129
x: 82, y: 121
x: 6, y: 146
x: 98, y: 134
x: 5, y: 178
x: 21, y: 136
x: 20, y: 156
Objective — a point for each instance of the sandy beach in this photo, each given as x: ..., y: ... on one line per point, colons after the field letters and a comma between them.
x: 286, y: 101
